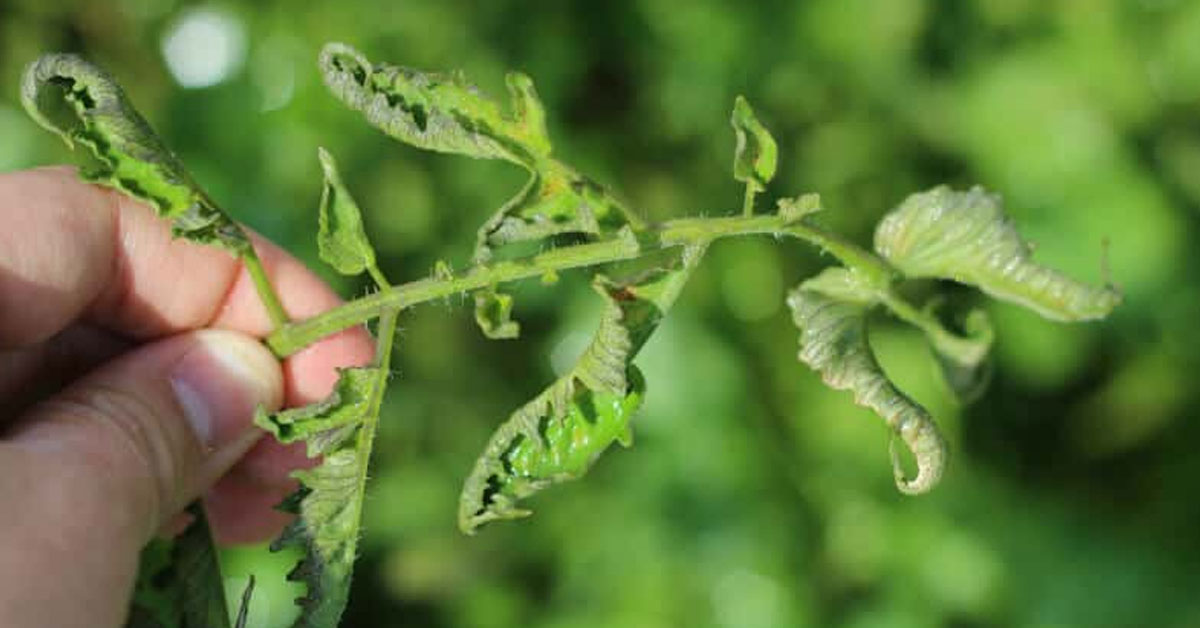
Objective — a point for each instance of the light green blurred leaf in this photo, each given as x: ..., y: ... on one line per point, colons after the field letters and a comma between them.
x: 966, y: 237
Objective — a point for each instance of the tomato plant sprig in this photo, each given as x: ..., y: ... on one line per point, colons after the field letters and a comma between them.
x: 638, y: 269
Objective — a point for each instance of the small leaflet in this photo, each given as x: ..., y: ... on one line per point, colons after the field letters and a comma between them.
x: 755, y: 156
x: 493, y: 314
x: 831, y: 316
x: 794, y: 209
x: 555, y: 200
x: 341, y: 239
x: 966, y: 237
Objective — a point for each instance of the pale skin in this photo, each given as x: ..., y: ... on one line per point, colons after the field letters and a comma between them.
x: 102, y: 314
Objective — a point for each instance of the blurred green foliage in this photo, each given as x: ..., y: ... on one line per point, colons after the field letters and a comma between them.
x: 753, y: 496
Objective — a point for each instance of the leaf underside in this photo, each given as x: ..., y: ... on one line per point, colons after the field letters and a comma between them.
x: 966, y: 237
x: 834, y: 342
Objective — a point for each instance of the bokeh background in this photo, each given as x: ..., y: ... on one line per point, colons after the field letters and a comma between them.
x: 753, y: 496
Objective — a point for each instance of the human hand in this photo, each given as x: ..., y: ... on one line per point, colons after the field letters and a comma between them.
x: 129, y: 372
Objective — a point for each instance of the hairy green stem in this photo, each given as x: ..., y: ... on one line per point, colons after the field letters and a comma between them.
x: 682, y: 232
x: 385, y: 337
x: 378, y: 277
x: 266, y: 291
x: 748, y: 201
x: 929, y: 324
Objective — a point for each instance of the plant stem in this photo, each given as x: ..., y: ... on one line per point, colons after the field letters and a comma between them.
x: 628, y: 245
x: 748, y: 201
x: 967, y: 350
x: 266, y: 292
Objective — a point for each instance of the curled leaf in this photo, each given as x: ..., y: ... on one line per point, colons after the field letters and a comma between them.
x: 558, y: 435
x: 556, y: 200
x: 83, y: 104
x: 329, y: 502
x: 833, y: 341
x: 341, y: 239
x: 843, y: 284
x: 554, y: 438
x: 325, y: 424
x: 966, y: 237
x: 445, y: 113
x: 755, y: 156
x: 328, y: 505
x: 439, y: 112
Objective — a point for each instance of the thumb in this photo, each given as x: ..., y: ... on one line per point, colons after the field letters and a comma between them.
x: 88, y: 476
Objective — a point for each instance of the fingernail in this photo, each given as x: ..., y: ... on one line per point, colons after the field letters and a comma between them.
x: 221, y: 380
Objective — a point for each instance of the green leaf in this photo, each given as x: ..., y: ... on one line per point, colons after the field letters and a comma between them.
x: 843, y: 284
x: 559, y: 434
x: 326, y: 424
x: 342, y: 241
x: 556, y: 200
x: 439, y: 112
x: 493, y: 313
x: 755, y: 157
x: 84, y: 105
x: 445, y: 113
x: 964, y: 360
x: 966, y: 237
x: 328, y: 505
x: 833, y: 341
x: 179, y: 581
